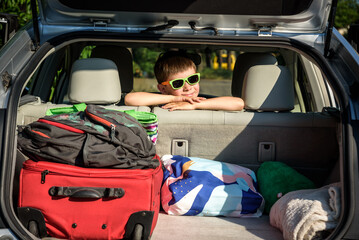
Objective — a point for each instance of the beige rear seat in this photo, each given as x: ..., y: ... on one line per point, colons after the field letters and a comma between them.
x: 92, y: 81
x: 122, y: 57
x: 243, y: 63
x: 265, y: 130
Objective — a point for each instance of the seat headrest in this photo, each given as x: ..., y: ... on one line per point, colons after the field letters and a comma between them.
x: 94, y: 81
x: 243, y: 63
x: 122, y: 57
x: 268, y: 88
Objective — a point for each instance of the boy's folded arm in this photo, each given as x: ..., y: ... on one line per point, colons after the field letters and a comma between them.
x: 218, y: 103
x: 221, y: 103
x: 147, y: 99
x: 150, y: 99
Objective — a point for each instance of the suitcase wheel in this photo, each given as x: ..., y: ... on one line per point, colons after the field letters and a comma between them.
x: 139, y: 225
x: 33, y: 228
x: 137, y: 232
x: 33, y: 220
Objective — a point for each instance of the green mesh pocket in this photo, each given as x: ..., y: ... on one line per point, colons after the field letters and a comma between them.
x: 149, y: 122
x: 142, y: 117
x: 73, y: 109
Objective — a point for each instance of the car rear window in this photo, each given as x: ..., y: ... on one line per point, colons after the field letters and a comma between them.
x: 235, y: 7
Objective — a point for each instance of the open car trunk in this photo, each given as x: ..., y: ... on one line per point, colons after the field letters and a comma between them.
x: 307, y: 138
x: 238, y: 48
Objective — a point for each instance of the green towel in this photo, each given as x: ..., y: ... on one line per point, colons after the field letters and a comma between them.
x: 276, y: 179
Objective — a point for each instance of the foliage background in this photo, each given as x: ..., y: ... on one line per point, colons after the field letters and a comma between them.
x: 347, y: 13
x: 18, y: 7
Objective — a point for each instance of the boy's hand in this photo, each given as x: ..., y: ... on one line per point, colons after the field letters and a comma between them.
x: 179, y: 106
x: 188, y: 99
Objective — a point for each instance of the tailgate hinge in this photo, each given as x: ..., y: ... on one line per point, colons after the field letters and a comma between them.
x: 100, y: 24
x: 6, y: 79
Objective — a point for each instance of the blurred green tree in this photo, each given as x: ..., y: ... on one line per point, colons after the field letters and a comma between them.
x: 145, y: 59
x: 347, y: 13
x: 21, y: 8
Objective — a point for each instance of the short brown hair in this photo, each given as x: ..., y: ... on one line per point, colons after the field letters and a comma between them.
x: 171, y: 64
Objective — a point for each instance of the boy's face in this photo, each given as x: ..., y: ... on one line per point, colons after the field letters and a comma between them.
x: 187, y: 90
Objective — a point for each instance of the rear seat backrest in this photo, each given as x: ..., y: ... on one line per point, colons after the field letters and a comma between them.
x: 268, y: 88
x: 243, y: 63
x: 265, y: 131
x: 94, y: 81
x: 122, y: 57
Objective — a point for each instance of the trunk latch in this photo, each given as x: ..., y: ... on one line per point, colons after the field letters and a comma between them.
x: 265, y: 31
x: 100, y: 24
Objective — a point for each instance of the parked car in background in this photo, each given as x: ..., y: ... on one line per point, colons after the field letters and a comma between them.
x: 224, y: 61
x: 311, y: 124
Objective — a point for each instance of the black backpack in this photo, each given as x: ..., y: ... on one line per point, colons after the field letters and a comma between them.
x: 96, y: 138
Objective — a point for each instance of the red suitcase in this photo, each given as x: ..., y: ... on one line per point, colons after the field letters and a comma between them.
x: 88, y: 203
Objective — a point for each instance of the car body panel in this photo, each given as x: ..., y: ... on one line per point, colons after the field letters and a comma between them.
x: 307, y: 26
x: 14, y: 56
x: 305, y: 32
x: 226, y: 17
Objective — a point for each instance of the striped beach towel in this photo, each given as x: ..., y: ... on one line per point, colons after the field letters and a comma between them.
x: 201, y: 187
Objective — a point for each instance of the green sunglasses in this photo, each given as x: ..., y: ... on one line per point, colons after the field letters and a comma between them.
x: 179, y: 82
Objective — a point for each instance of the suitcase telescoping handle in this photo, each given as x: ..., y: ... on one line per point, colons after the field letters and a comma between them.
x: 86, y: 192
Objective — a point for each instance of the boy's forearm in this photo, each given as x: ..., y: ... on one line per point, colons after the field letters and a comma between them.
x: 221, y: 103
x: 147, y: 99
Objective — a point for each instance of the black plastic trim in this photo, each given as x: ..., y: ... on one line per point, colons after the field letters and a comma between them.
x: 35, y: 21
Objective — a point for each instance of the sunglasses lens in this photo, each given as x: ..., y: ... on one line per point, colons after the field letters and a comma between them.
x: 178, y: 83
x: 193, y: 79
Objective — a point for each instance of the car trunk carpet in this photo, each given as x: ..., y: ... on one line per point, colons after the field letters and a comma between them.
x: 207, y: 228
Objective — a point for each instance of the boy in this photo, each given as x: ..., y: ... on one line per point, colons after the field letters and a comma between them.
x: 178, y: 81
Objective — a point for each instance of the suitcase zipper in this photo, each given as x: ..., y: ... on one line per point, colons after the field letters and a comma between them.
x: 43, y: 167
x: 105, y: 122
x: 43, y: 175
x: 61, y: 125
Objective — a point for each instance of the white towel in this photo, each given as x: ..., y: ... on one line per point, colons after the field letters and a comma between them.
x: 307, y: 214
